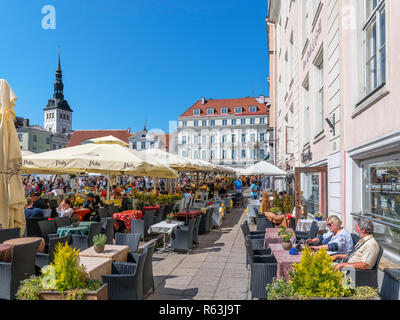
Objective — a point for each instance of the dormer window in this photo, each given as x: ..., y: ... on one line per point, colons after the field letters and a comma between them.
x: 224, y: 110
x: 210, y: 111
x: 253, y: 109
x: 238, y: 109
x: 196, y: 112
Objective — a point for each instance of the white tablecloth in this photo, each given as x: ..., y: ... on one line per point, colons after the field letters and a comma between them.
x: 164, y: 227
x: 305, y: 225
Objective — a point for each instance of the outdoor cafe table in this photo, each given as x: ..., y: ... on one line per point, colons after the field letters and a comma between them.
x: 25, y: 240
x: 284, y: 259
x: 81, y: 212
x: 126, y: 216
x: 271, y: 236
x: 151, y: 208
x: 115, y: 252
x: 5, y: 252
x: 96, y: 266
x: 183, y: 215
x: 82, y: 229
x: 165, y: 228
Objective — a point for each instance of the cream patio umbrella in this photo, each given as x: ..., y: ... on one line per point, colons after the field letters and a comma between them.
x: 12, y: 194
x: 108, y: 140
x: 262, y: 168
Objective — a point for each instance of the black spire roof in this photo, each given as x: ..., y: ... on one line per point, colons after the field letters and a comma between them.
x: 58, y: 101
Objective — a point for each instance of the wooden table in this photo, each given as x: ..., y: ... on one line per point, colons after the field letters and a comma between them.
x: 25, y: 240
x: 115, y: 252
x: 95, y: 266
x: 284, y: 258
x: 5, y: 252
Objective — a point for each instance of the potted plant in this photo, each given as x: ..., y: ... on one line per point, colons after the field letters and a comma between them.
x: 99, y: 242
x: 75, y: 220
x: 315, y: 278
x: 170, y: 217
x: 286, y: 237
x: 64, y: 279
x: 318, y: 216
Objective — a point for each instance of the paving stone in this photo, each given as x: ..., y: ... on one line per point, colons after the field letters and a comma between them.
x: 184, y: 271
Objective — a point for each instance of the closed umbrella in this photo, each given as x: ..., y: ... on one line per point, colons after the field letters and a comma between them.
x: 12, y: 195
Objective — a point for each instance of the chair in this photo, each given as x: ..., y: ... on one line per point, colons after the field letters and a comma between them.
x: 21, y: 267
x: 126, y: 280
x: 355, y: 238
x: 7, y: 234
x: 263, y: 270
x: 158, y: 215
x: 32, y: 227
x: 205, y: 221
x: 302, y: 235
x: 365, y: 278
x: 257, y: 240
x: 107, y: 225
x: 196, y: 231
x: 168, y: 209
x: 182, y: 237
x: 111, y: 210
x: 85, y: 241
x: 103, y: 213
x: 148, y: 278
x: 53, y: 203
x: 47, y: 213
x: 128, y: 239
x: 142, y: 226
x: 43, y: 259
x: 216, y: 219
x: 48, y: 229
x: 262, y: 223
x: 390, y: 289
x: 62, y: 221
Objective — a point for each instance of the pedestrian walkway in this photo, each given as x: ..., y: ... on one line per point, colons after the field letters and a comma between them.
x: 214, y: 271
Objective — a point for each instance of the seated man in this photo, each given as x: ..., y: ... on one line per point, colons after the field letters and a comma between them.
x: 365, y: 252
x: 91, y: 205
x: 37, y: 201
x: 31, y: 211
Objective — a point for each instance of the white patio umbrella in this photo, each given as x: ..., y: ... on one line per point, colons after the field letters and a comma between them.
x: 108, y: 140
x: 12, y: 194
x: 262, y: 168
x: 26, y: 153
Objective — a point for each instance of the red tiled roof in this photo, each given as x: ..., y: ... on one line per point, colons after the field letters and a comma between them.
x: 82, y: 135
x: 217, y: 104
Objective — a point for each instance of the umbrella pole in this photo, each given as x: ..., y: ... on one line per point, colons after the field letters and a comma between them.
x: 108, y: 189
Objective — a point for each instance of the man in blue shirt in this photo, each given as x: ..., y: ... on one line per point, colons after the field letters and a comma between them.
x: 31, y: 211
x: 253, y: 190
x: 238, y: 185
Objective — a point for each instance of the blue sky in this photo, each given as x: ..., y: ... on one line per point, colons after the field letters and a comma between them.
x: 125, y: 61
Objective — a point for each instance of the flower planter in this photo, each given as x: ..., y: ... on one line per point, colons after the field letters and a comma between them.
x: 99, y: 294
x: 98, y: 248
x: 286, y: 245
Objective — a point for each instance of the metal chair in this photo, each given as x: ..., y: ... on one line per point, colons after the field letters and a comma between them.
x: 126, y: 280
x: 7, y: 234
x: 21, y: 267
x: 128, y: 239
x: 83, y: 242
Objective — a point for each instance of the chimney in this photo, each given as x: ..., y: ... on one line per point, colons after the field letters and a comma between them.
x: 203, y: 100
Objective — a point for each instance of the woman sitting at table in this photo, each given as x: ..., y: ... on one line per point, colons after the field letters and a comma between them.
x: 336, y: 241
x: 65, y: 209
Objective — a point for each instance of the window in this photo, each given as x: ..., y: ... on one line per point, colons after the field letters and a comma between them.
x: 212, y: 139
x: 54, y: 147
x: 210, y: 111
x: 262, y: 120
x: 238, y: 109
x: 262, y: 137
x: 253, y: 137
x: 61, y: 116
x: 233, y: 138
x: 289, y: 140
x: 224, y: 110
x: 252, y: 121
x: 47, y: 140
x: 375, y: 44
x: 319, y: 100
x: 223, y: 154
x: 212, y: 123
x: 67, y: 117
x: 233, y: 122
x: 196, y: 112
x: 195, y: 154
x: 223, y: 138
x: 243, y: 153
x: 224, y: 122
x: 34, y: 149
x: 254, y: 153
x: 184, y: 153
x: 305, y: 21
x: 143, y: 145
x: 204, y: 154
x: 196, y: 139
x: 204, y: 139
x: 253, y: 109
x: 204, y: 123
x: 306, y: 111
x: 184, y: 141
x: 212, y: 154
x: 262, y: 154
x: 34, y: 138
x: 243, y: 121
x: 184, y: 124
x: 196, y: 123
x: 233, y: 154
x: 243, y: 137
x: 134, y: 145
x: 20, y: 137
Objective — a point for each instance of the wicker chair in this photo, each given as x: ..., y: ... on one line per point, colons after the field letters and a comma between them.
x: 216, y: 219
x: 205, y: 221
x: 43, y: 259
x: 182, y: 237
x: 158, y: 215
x: 21, y: 267
x: 365, y: 278
x: 83, y: 242
x: 301, y: 235
x: 390, y: 289
x: 103, y: 213
x: 7, y: 234
x: 196, y: 231
x: 126, y: 280
x: 48, y: 230
x: 128, y: 239
x: 62, y: 221
x: 263, y: 270
x: 148, y: 278
x: 32, y: 227
x: 142, y: 226
x: 108, y: 229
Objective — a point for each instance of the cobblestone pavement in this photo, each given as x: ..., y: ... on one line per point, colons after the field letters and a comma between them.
x: 216, y: 270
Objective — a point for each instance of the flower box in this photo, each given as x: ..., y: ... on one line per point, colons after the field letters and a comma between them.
x: 99, y: 294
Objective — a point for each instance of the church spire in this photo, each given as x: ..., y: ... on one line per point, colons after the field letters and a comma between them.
x: 58, y: 84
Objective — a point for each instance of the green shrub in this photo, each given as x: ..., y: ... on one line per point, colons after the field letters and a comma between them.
x: 280, y: 288
x: 29, y: 289
x: 99, y: 239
